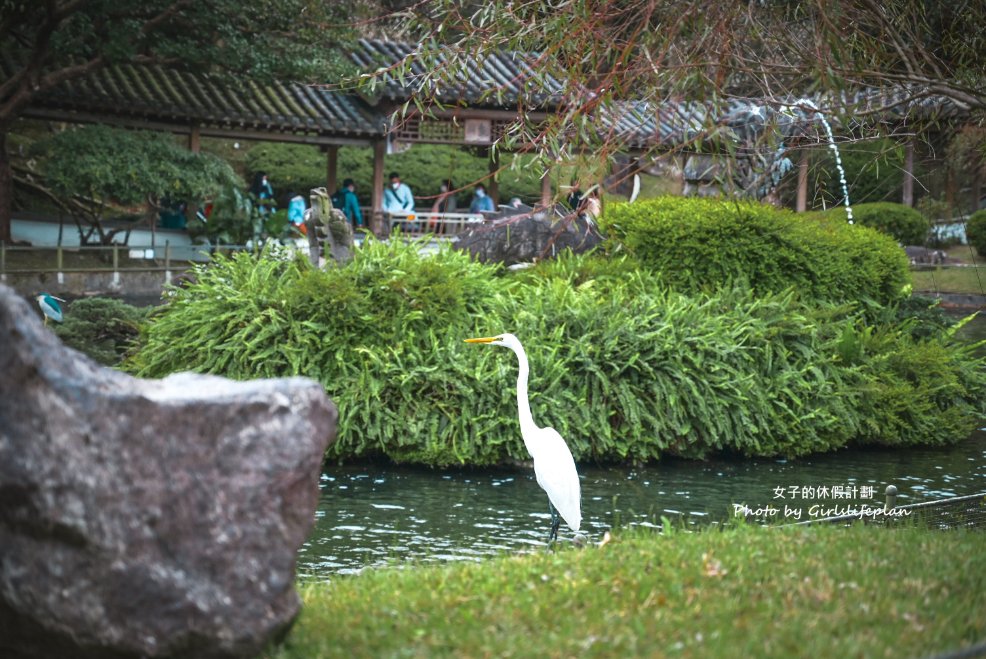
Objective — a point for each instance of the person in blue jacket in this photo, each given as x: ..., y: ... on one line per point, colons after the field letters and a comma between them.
x: 481, y: 202
x: 398, y: 197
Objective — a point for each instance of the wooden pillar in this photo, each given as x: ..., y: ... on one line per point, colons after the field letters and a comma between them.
x: 803, y: 182
x: 376, y: 211
x: 907, y: 195
x: 331, y: 168
x: 194, y: 139
x: 546, y: 189
x: 493, y: 185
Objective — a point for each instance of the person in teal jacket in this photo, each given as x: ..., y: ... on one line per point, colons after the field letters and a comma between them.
x: 481, y: 202
x: 345, y: 200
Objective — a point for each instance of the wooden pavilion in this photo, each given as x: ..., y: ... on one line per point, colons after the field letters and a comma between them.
x: 477, y: 110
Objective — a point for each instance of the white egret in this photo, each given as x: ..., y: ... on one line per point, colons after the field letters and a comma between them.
x: 554, y: 466
x: 50, y: 307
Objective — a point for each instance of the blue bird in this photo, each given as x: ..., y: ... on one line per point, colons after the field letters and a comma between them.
x: 50, y: 307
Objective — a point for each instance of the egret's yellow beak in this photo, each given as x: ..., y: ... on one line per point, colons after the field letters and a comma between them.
x: 482, y: 339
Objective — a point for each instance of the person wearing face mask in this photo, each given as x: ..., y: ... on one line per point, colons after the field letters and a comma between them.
x: 397, y: 198
x: 481, y: 202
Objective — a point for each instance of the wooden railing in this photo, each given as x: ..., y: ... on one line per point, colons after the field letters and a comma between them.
x: 418, y: 223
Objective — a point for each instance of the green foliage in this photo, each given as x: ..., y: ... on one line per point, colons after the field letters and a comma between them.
x: 701, y: 244
x: 921, y: 316
x: 906, y: 225
x: 975, y: 231
x: 622, y: 367
x: 914, y: 391
x: 103, y: 328
x: 127, y: 167
x: 264, y: 40
x: 114, y: 167
x: 589, y: 270
x: 238, y: 217
x: 295, y: 168
x: 873, y: 172
x: 292, y: 168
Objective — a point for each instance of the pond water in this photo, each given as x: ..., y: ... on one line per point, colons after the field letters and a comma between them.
x: 383, y: 515
x: 376, y: 515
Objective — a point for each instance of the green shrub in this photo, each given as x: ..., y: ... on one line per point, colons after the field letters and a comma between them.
x: 702, y: 244
x: 623, y: 367
x: 905, y: 224
x: 588, y: 269
x: 297, y: 168
x: 102, y: 328
x: 874, y: 171
x: 914, y: 391
x: 975, y: 231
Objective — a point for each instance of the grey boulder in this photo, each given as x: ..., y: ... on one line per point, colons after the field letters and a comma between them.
x: 526, y: 237
x: 148, y: 518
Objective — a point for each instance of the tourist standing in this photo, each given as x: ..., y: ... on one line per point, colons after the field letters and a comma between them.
x: 397, y: 198
x: 263, y: 192
x: 481, y: 202
x: 345, y: 200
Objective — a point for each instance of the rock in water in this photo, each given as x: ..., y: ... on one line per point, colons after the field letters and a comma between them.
x: 148, y: 518
x: 526, y: 237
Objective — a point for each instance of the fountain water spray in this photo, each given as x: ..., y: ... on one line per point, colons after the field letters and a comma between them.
x: 835, y: 149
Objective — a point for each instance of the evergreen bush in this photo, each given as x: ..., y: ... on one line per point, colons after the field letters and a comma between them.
x: 623, y: 367
x: 102, y: 328
x: 975, y: 231
x: 703, y: 244
x: 905, y: 224
x: 297, y: 168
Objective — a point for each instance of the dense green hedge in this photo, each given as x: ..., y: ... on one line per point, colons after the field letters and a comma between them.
x: 101, y: 327
x: 621, y: 365
x: 296, y: 168
x: 702, y: 244
x: 905, y: 224
x: 975, y: 231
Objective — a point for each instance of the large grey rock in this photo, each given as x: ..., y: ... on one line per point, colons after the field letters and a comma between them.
x: 527, y: 237
x: 148, y: 518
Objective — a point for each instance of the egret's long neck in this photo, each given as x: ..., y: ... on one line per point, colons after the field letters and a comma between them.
x: 523, y: 404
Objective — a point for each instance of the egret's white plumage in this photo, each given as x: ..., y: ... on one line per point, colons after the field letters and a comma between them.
x: 554, y: 466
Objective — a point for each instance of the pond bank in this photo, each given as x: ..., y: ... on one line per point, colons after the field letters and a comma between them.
x: 745, y: 591
x: 956, y: 301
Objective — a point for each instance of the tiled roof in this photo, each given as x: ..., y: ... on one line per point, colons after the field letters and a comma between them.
x: 155, y: 93
x: 496, y: 80
x: 642, y: 124
x: 501, y: 79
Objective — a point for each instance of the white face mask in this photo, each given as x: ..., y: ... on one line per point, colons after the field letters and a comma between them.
x: 480, y: 193
x: 443, y: 188
x: 395, y: 185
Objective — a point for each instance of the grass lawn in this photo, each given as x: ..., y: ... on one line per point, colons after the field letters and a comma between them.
x: 969, y: 278
x: 966, y: 279
x: 820, y: 591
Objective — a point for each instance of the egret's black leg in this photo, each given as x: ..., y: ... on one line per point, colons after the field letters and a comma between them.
x: 555, y: 522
